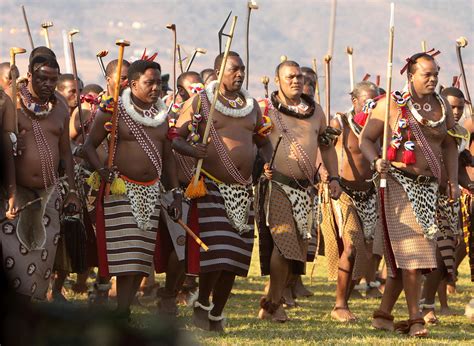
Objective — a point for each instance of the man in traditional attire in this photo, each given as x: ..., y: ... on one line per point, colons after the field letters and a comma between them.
x: 173, y: 236
x: 355, y: 212
x: 287, y: 203
x: 419, y: 120
x: 223, y: 218
x: 449, y: 223
x: 128, y: 223
x: 29, y: 238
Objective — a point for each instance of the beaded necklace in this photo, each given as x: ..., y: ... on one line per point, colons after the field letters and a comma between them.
x: 142, y: 138
x: 409, y: 119
x: 293, y: 147
x: 231, y: 112
x: 48, y: 170
x: 229, y: 165
x: 40, y: 110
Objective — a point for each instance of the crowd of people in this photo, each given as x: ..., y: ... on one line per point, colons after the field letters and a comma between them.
x: 85, y: 187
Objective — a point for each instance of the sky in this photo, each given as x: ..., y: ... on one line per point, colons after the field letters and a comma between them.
x: 298, y: 29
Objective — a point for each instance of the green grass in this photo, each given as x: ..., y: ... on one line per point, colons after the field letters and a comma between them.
x: 311, y: 323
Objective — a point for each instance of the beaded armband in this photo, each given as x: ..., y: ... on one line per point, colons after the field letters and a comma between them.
x: 106, y: 104
x: 172, y: 130
x: 329, y: 136
x: 265, y: 127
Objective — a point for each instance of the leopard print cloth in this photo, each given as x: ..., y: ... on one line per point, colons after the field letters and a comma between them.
x: 143, y: 200
x: 450, y: 211
x: 424, y: 200
x: 366, y: 205
x: 237, y: 200
x: 303, y: 209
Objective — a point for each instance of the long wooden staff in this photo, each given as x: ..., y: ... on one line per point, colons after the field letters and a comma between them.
x: 13, y: 73
x: 461, y: 43
x: 110, y: 160
x: 76, y: 81
x: 196, y: 51
x: 251, y: 5
x: 180, y: 60
x: 383, y: 180
x: 317, y: 97
x: 327, y: 61
x: 350, y: 52
x: 193, y: 189
x: 188, y: 230
x: 100, y: 55
x: 172, y: 27
x: 45, y: 26
x: 27, y: 27
x: 423, y: 46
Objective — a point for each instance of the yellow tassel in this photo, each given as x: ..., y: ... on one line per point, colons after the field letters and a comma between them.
x: 94, y: 181
x: 195, y: 191
x: 118, y: 187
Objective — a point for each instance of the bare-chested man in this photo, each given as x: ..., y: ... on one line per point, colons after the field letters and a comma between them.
x: 355, y: 212
x: 288, y: 201
x: 418, y: 140
x: 131, y: 212
x: 90, y: 108
x: 449, y: 223
x: 67, y: 88
x: 208, y: 75
x: 6, y: 77
x: 189, y: 84
x: 29, y: 239
x: 224, y: 216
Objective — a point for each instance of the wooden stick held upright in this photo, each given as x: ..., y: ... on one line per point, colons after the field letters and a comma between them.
x: 191, y: 191
x: 461, y: 43
x: 350, y: 52
x: 13, y: 71
x: 76, y: 81
x: 102, y: 54
x: 327, y: 60
x: 25, y: 18
x: 45, y: 26
x: 172, y: 27
x: 317, y: 97
x: 110, y: 160
x: 423, y: 46
x: 251, y: 5
x: 383, y: 180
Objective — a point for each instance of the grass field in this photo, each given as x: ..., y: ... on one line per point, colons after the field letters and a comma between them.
x: 310, y: 322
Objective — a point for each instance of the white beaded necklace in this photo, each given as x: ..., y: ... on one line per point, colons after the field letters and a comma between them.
x: 420, y: 118
x: 153, y: 117
x: 231, y: 112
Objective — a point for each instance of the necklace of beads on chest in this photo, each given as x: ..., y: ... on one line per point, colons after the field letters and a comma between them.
x: 142, y: 138
x: 228, y: 163
x: 293, y: 147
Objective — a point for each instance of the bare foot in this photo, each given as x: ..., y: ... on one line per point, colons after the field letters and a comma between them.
x: 278, y: 316
x: 446, y: 311
x: 373, y: 293
x: 429, y: 316
x: 383, y: 324
x: 343, y: 314
x: 418, y: 330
